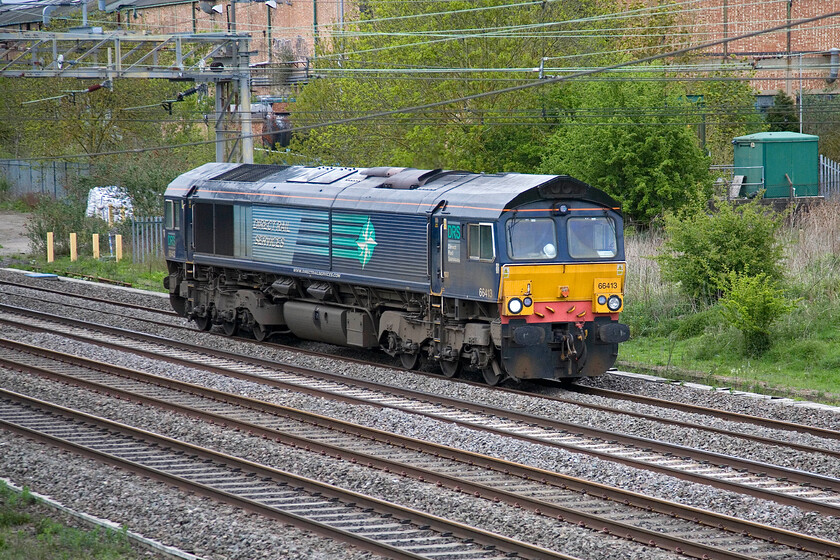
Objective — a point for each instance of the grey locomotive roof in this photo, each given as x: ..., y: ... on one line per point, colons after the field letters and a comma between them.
x: 395, y: 190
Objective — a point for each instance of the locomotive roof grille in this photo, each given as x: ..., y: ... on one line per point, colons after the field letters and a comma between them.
x: 249, y: 173
x: 563, y: 187
x: 409, y: 179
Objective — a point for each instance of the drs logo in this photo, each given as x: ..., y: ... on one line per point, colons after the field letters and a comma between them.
x: 454, y: 231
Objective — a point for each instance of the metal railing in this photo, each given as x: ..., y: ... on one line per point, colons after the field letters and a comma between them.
x: 146, y: 238
x: 734, y: 179
x: 829, y: 178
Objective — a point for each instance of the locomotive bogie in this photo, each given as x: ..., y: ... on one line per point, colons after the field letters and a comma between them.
x: 518, y: 276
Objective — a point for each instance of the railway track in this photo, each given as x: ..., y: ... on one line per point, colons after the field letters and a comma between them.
x: 365, y: 522
x: 786, y: 486
x: 628, y: 515
x: 763, y: 422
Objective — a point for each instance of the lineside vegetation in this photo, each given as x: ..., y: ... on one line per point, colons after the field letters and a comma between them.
x: 28, y: 531
x: 776, y: 330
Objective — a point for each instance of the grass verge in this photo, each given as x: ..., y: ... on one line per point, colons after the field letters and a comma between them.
x: 145, y: 276
x: 27, y: 532
x: 717, y: 361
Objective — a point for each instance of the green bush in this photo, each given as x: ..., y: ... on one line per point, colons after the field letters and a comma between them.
x: 702, y: 248
x: 5, y: 187
x: 752, y: 304
x: 695, y: 324
x: 62, y: 217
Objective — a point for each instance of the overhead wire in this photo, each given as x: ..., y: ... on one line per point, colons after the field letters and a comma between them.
x: 675, y: 8
x: 682, y: 6
x: 500, y: 91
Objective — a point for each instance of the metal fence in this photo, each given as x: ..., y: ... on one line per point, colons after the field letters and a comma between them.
x: 829, y: 178
x: 40, y: 177
x: 146, y: 238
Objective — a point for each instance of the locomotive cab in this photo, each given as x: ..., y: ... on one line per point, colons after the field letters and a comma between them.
x: 561, y: 289
x: 174, y: 249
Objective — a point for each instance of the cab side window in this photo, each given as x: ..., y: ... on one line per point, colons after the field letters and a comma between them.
x: 480, y: 242
x: 171, y: 215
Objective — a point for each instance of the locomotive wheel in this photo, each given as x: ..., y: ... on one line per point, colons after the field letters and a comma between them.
x: 203, y: 323
x: 450, y: 368
x: 492, y: 373
x: 410, y: 361
x: 230, y: 328
x: 260, y: 332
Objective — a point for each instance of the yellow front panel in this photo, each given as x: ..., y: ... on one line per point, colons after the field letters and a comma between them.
x: 550, y: 282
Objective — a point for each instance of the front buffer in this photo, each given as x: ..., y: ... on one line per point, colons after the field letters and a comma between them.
x: 561, y: 321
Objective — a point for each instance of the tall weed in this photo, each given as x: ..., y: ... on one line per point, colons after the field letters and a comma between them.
x: 812, y: 255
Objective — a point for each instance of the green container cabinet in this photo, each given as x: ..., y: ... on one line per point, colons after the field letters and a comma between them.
x: 768, y: 159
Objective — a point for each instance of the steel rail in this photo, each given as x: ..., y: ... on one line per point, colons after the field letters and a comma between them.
x: 592, y: 521
x: 233, y: 463
x: 86, y: 298
x: 716, y: 412
x: 645, y: 444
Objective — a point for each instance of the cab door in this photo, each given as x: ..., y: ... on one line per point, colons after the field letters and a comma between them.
x: 173, y: 225
x: 437, y: 259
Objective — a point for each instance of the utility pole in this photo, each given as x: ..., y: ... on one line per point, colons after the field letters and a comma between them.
x: 244, y: 105
x: 726, y: 28
x: 789, y: 72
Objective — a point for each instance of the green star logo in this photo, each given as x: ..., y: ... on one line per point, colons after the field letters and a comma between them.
x: 366, y: 243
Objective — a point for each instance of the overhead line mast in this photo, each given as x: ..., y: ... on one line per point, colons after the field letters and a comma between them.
x: 93, y: 55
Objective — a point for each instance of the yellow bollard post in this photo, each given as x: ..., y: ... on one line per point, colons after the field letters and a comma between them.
x: 118, y: 248
x: 96, y: 246
x: 50, y: 253
x: 74, y: 256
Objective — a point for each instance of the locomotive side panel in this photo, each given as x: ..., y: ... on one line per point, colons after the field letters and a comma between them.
x: 296, y: 237
x: 387, y: 246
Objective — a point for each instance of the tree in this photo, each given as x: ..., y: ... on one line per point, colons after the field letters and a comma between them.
x: 102, y: 121
x: 729, y: 113
x: 629, y: 138
x: 782, y: 116
x: 431, y: 51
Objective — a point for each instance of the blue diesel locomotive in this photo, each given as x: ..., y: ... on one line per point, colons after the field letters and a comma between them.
x: 516, y: 276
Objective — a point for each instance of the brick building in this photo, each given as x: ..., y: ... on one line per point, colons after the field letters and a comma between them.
x: 777, y: 57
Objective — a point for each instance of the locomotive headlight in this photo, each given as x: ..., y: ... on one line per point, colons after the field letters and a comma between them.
x: 602, y: 300
x: 514, y: 306
x: 528, y: 302
x: 613, y: 303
